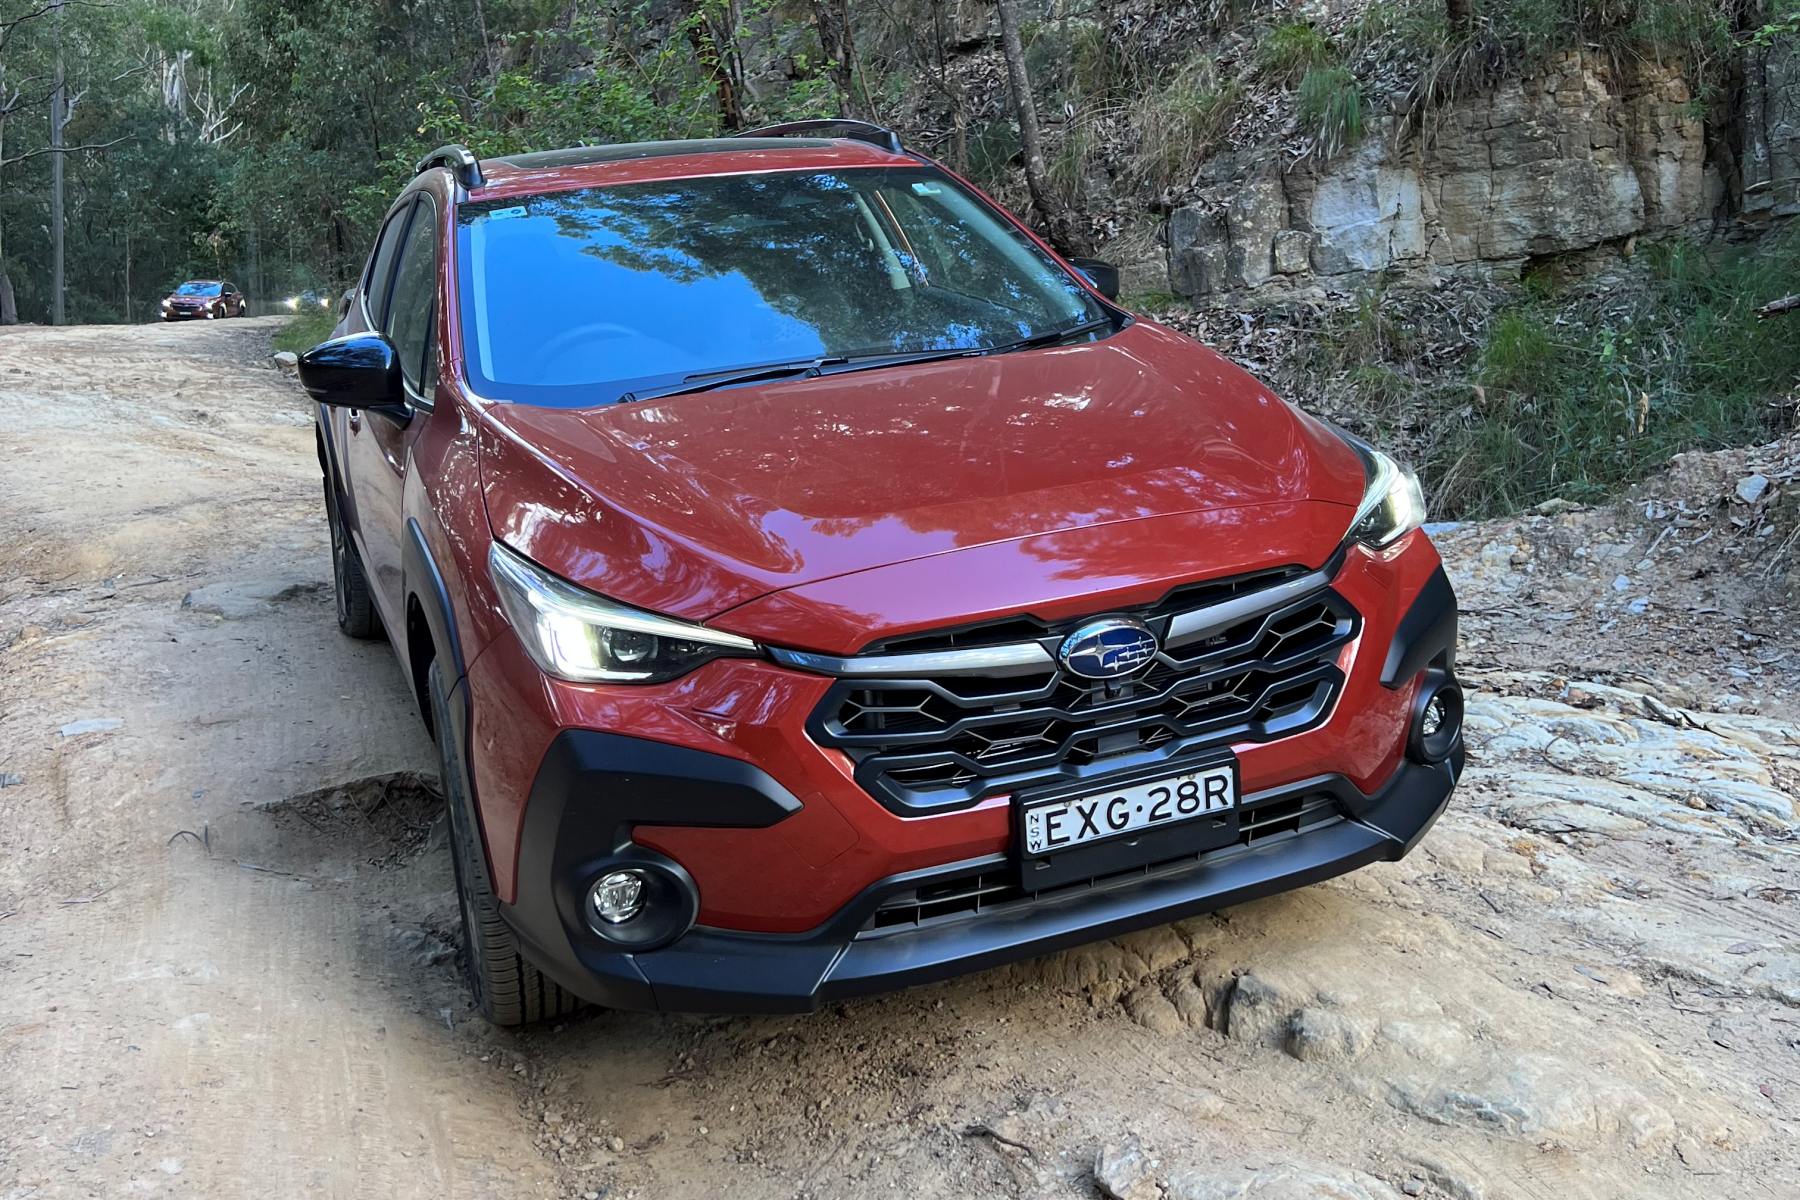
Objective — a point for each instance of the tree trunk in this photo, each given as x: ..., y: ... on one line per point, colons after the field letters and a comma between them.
x: 1058, y: 223
x: 9, y: 305
x: 58, y: 117
x: 706, y: 51
x: 835, y: 39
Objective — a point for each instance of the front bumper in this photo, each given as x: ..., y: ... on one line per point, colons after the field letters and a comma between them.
x: 800, y: 872
x: 715, y: 970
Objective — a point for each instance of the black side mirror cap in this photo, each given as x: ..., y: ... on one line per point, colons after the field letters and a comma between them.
x: 1103, y: 275
x: 358, y: 370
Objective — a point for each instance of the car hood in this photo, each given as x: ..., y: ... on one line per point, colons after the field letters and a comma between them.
x: 693, y: 505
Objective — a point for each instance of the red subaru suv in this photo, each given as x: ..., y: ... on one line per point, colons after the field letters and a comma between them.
x: 815, y: 585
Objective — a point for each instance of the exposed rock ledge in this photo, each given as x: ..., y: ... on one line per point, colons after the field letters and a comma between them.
x: 1577, y: 156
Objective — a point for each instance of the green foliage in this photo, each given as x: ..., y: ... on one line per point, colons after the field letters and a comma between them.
x: 1580, y: 397
x: 1519, y: 354
x: 1289, y: 51
x: 306, y: 330
x: 1330, y: 105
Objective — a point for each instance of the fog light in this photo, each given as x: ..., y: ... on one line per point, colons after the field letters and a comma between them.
x: 1434, y: 718
x: 617, y: 896
x: 1437, y: 717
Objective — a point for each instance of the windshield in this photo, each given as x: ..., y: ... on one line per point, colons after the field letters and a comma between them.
x: 579, y: 298
x: 197, y: 289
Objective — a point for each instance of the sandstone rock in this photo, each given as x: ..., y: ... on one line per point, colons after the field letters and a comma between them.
x: 1124, y: 1171
x: 1579, y: 156
x: 1277, y: 1183
x: 1367, y: 213
x: 1292, y: 251
x: 1258, y: 1011
x: 1189, y: 999
x: 1199, y: 245
x: 1537, y: 1097
x: 1150, y: 1008
x: 235, y: 601
x: 1752, y: 488
x: 1319, y: 1035
x: 287, y: 360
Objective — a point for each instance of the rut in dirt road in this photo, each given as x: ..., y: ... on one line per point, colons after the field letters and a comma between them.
x: 1585, y: 983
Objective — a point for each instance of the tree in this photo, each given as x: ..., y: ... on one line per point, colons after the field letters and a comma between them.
x: 832, y: 18
x: 1058, y: 222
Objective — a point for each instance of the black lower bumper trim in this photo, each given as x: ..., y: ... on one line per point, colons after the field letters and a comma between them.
x: 713, y: 970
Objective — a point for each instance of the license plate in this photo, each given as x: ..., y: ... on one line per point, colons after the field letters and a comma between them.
x: 1060, y: 824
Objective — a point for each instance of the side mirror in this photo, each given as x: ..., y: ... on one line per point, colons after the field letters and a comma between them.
x: 1103, y: 275
x: 358, y: 370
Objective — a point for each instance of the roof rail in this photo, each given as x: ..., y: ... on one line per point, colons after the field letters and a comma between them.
x: 861, y: 131
x: 457, y: 157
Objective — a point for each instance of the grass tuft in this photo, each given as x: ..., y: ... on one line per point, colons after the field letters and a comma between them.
x: 1331, y: 106
x: 1289, y: 51
x: 1178, y: 126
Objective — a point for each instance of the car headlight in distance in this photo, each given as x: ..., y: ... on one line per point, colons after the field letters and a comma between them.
x: 582, y: 637
x: 1393, y: 505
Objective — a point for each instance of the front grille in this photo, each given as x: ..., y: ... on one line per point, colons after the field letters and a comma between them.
x: 988, y: 892
x: 933, y: 744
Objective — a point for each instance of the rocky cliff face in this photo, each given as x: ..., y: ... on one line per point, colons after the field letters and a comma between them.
x: 1572, y: 158
x: 1771, y: 125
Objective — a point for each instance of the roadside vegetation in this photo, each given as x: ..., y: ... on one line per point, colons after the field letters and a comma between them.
x: 306, y: 330
x: 1577, y: 389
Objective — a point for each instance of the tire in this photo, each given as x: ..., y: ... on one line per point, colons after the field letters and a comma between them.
x: 507, y: 988
x: 355, y: 603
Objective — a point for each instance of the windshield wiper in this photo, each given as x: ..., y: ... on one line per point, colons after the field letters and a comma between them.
x: 808, y: 368
x: 708, y: 380
x: 1055, y: 336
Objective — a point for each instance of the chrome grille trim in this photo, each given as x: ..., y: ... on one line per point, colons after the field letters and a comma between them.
x: 1261, y: 661
x: 1206, y: 622
x: 1015, y: 658
x: 1026, y: 658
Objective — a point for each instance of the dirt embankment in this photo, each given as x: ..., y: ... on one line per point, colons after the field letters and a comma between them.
x: 228, y: 944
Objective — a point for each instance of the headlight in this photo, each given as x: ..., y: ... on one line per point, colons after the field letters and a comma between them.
x: 576, y: 635
x: 292, y: 302
x: 324, y: 301
x: 1392, y: 505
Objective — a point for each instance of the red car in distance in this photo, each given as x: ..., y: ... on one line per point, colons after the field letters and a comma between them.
x: 815, y: 585
x: 202, y: 299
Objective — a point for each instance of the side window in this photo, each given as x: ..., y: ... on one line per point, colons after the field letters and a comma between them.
x: 381, y: 264
x: 413, y: 307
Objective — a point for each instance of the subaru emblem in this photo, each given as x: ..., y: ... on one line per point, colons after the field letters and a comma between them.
x: 1108, y: 649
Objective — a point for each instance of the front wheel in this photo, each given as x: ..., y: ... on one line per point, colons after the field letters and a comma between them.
x: 508, y: 988
x: 355, y: 602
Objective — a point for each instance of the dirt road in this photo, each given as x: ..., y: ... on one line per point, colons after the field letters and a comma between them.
x: 228, y: 944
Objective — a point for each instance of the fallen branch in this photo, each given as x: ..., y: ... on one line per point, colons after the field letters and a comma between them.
x: 1785, y: 304
x: 988, y: 1131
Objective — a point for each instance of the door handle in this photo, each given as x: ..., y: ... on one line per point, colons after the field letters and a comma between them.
x: 355, y: 419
